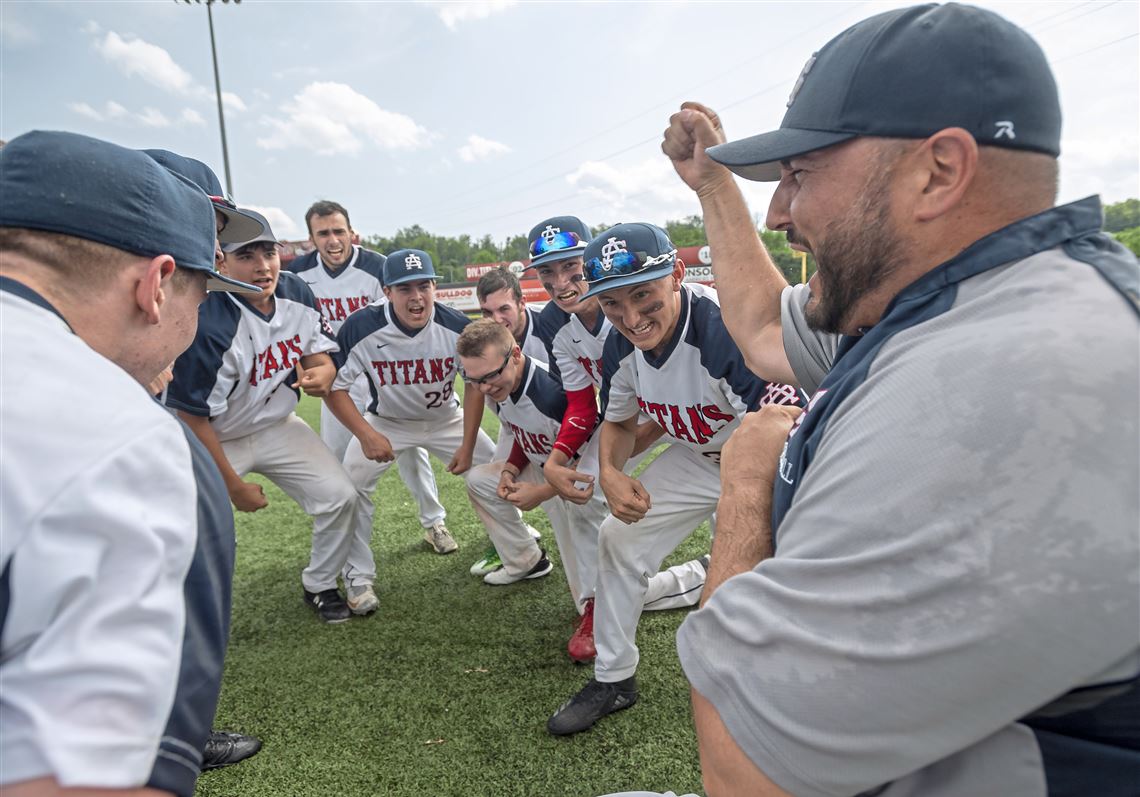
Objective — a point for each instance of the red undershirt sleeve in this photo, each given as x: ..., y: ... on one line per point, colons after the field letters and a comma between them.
x: 579, y: 421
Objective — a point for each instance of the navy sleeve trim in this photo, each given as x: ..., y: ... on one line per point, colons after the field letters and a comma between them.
x: 207, y: 593
x: 294, y: 289
x: 305, y: 262
x: 196, y: 369
x: 450, y: 318
x: 549, y: 321
x: 616, y: 349
x: 719, y: 353
x: 371, y: 263
x: 356, y: 328
x: 546, y: 394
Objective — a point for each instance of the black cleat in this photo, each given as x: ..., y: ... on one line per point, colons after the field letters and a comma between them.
x: 329, y: 605
x: 224, y: 748
x: 594, y: 701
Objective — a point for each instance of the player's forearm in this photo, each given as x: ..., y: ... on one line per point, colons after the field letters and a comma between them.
x: 344, y: 408
x: 648, y: 433
x: 748, y: 282
x: 202, y: 429
x: 615, y: 446
x: 743, y: 531
x: 473, y: 405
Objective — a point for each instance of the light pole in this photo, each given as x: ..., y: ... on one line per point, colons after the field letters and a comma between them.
x: 218, y: 90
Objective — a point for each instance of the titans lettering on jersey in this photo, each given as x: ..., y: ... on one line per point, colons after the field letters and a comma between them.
x: 342, y: 292
x: 239, y: 370
x: 575, y: 353
x: 411, y: 373
x: 698, y: 388
x: 534, y: 411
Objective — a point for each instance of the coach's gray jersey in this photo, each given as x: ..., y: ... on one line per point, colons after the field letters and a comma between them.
x: 953, y: 607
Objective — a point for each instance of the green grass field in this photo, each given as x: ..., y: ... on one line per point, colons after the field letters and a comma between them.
x: 447, y: 688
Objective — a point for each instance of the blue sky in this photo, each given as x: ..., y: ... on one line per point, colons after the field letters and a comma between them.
x: 486, y: 117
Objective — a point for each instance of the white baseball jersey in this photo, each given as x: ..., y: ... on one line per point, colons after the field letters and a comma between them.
x: 103, y: 683
x: 698, y: 388
x: 340, y: 293
x: 240, y: 368
x: 532, y: 344
x: 411, y: 373
x: 574, y: 352
x: 533, y: 413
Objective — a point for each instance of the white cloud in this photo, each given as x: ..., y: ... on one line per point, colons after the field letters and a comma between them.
x: 282, y: 223
x: 478, y: 148
x: 650, y: 189
x: 114, y: 112
x: 333, y: 118
x: 152, y: 117
x: 191, y: 117
x: 91, y: 28
x: 148, y: 61
x: 454, y: 13
x: 232, y: 102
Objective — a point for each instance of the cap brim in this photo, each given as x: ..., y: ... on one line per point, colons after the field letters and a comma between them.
x: 556, y: 255
x: 629, y: 279
x: 411, y: 278
x: 758, y: 157
x: 240, y: 227
x: 220, y: 283
x: 265, y: 237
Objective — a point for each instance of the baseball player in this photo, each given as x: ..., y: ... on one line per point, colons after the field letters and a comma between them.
x: 345, y: 277
x: 237, y: 387
x: 222, y: 748
x: 674, y: 361
x: 501, y: 299
x: 531, y: 405
x: 117, y: 547
x: 406, y: 348
x: 574, y: 330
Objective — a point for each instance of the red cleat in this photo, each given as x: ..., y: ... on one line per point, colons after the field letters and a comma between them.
x: 581, y: 645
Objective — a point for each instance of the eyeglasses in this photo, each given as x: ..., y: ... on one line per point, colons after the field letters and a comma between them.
x: 623, y: 263
x: 485, y: 378
x: 550, y: 241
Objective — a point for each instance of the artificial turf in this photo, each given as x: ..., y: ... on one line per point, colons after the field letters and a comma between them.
x: 447, y: 688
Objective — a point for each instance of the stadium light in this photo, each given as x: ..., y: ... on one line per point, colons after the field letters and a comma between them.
x: 218, y: 87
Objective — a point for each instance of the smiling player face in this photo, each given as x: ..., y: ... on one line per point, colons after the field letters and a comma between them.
x: 646, y: 314
x: 412, y: 302
x: 565, y: 282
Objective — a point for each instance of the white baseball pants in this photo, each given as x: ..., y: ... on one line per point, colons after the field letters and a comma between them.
x: 684, y: 488
x: 290, y: 455
x: 413, y: 463
x: 440, y: 438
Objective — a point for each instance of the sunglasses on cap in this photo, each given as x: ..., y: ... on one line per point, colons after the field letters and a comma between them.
x: 623, y: 263
x: 550, y: 241
x: 485, y: 378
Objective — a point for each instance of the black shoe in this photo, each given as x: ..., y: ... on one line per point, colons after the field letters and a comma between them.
x: 593, y: 702
x: 329, y: 605
x: 224, y: 748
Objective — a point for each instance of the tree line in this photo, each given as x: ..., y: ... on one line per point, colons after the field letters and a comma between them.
x: 452, y: 254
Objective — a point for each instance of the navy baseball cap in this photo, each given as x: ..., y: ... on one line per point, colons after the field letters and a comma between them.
x: 557, y: 238
x: 628, y: 254
x: 909, y: 73
x: 91, y: 189
x: 265, y: 235
x: 408, y: 265
x: 240, y: 225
